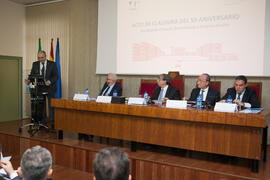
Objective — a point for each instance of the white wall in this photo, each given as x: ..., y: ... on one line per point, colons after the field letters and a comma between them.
x: 12, y: 32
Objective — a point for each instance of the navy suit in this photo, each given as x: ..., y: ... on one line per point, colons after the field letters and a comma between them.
x: 115, y: 87
x: 172, y: 93
x: 248, y: 97
x: 212, y: 97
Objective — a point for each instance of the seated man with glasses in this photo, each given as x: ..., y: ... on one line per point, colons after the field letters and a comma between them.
x: 241, y: 94
x: 210, y: 95
x: 111, y: 86
x: 165, y: 90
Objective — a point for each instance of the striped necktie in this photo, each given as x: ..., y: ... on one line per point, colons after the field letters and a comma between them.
x: 105, y: 91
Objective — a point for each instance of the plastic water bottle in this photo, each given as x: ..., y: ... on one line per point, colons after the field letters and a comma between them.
x: 86, y: 91
x: 199, y: 102
x: 229, y: 99
x: 28, y: 88
x: 115, y: 93
x: 145, y: 96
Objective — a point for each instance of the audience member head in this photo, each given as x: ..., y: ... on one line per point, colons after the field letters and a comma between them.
x: 203, y: 81
x: 111, y: 79
x: 111, y: 164
x: 42, y: 56
x: 36, y: 164
x: 240, y: 83
x: 164, y: 79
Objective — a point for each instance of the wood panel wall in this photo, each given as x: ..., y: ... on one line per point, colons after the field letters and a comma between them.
x: 72, y: 156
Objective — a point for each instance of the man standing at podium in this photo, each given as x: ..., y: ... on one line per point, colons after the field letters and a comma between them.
x: 49, y: 71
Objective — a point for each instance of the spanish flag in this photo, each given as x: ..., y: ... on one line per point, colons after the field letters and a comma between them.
x: 51, y: 53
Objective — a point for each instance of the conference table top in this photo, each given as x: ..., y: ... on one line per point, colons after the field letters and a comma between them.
x: 260, y: 119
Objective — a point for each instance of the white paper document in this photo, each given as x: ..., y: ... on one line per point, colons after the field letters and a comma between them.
x: 251, y: 110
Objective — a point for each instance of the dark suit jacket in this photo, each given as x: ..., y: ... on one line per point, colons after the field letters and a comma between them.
x: 248, y: 97
x: 212, y: 97
x: 115, y: 87
x: 172, y: 93
x: 51, y: 74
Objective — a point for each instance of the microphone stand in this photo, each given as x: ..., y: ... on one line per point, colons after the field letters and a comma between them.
x: 36, y: 100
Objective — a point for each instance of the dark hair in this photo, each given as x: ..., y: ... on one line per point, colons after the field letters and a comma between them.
x: 208, y: 78
x: 166, y: 78
x: 111, y: 164
x: 241, y: 77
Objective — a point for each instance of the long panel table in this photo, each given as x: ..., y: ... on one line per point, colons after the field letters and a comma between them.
x: 233, y: 134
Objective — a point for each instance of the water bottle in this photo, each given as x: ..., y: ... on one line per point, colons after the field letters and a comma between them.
x: 115, y: 93
x: 28, y: 88
x: 229, y: 99
x: 199, y: 102
x: 86, y: 91
x: 145, y: 96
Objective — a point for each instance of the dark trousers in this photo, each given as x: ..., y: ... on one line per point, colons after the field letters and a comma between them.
x: 51, y: 112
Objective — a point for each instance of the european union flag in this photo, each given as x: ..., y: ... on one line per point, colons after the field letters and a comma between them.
x: 58, y: 93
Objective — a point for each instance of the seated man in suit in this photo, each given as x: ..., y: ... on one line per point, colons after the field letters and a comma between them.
x: 165, y: 90
x: 111, y: 164
x: 111, y: 86
x: 210, y: 95
x: 241, y: 94
x: 36, y: 163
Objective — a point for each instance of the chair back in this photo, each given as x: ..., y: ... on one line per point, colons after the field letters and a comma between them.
x: 179, y: 82
x: 257, y: 87
x: 215, y: 85
x: 120, y: 82
x: 148, y: 85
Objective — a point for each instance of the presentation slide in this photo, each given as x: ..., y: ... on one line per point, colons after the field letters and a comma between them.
x: 220, y: 37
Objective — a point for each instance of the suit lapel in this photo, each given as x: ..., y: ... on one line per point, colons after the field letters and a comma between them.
x: 209, y: 91
x: 47, y: 69
x: 38, y: 67
x: 168, y: 91
x: 245, y: 96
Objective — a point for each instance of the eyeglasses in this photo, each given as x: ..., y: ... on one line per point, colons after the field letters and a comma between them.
x: 199, y: 80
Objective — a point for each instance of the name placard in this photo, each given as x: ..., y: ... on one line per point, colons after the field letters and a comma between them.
x: 104, y: 99
x: 80, y: 97
x: 178, y: 104
x: 225, y: 107
x: 136, y: 101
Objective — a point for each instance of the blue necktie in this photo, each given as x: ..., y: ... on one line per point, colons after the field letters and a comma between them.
x: 238, y: 96
x: 160, y: 94
x: 202, y: 94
